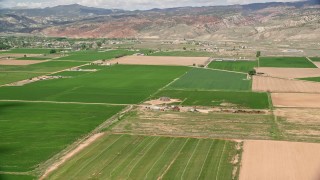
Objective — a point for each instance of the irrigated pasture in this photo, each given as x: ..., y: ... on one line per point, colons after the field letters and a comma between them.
x: 280, y: 160
x: 304, y: 100
x: 161, y: 60
x: 290, y: 73
x: 122, y: 84
x: 183, y: 53
x: 289, y: 62
x: 142, y: 157
x: 208, y: 79
x: 240, y: 66
x: 31, y: 133
x: 262, y: 83
x: 188, y: 124
x: 95, y: 55
x: 218, y: 98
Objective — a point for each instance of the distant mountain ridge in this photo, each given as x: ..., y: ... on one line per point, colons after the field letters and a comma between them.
x: 275, y: 20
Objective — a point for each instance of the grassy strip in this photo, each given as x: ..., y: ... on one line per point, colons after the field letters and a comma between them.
x: 239, y: 66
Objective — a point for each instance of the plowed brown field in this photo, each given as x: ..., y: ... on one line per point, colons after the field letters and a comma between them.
x: 161, y: 60
x: 261, y: 83
x: 290, y: 73
x: 19, y: 62
x: 266, y: 160
x: 296, y: 100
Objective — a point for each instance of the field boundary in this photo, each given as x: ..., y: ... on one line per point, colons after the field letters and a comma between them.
x: 212, y: 69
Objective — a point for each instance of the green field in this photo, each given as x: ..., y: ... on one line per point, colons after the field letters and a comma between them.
x: 31, y: 133
x: 140, y: 157
x: 27, y: 51
x: 122, y: 84
x: 94, y: 55
x: 239, y: 66
x: 314, y: 79
x: 315, y: 58
x: 183, y: 53
x: 208, y: 79
x: 16, y: 177
x: 289, y: 62
x: 252, y: 100
x: 191, y: 124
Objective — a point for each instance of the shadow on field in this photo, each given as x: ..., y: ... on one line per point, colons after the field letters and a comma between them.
x: 8, y: 105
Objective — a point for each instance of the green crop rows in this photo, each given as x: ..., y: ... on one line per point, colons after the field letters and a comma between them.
x: 140, y: 157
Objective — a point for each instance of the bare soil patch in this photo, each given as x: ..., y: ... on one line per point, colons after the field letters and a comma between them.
x: 290, y: 73
x: 306, y: 100
x: 270, y: 84
x: 266, y: 160
x: 161, y: 102
x: 35, y: 79
x: 20, y: 62
x: 6, y: 56
x: 299, y: 115
x: 161, y: 60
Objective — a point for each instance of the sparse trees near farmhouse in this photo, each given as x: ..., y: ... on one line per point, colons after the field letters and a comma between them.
x: 252, y: 72
x: 258, y: 54
x: 53, y: 51
x: 83, y: 46
x: 99, y: 44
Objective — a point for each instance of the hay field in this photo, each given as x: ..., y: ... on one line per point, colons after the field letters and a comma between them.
x: 299, y: 124
x: 161, y: 60
x: 303, y: 100
x: 148, y: 157
x: 290, y: 73
x: 280, y: 160
x: 269, y: 84
x: 188, y: 124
